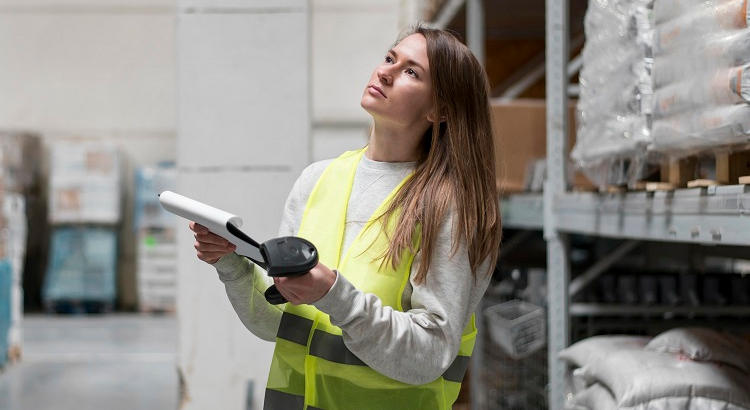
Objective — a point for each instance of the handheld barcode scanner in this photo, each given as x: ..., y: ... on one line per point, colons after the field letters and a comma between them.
x: 285, y: 256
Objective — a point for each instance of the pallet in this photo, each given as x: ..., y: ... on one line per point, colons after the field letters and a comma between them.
x: 157, y: 310
x: 75, y: 306
x: 724, y: 168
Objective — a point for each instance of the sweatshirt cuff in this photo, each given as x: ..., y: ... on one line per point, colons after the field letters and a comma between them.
x: 338, y: 302
x: 232, y: 267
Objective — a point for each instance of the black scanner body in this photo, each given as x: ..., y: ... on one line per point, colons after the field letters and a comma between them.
x: 287, y: 256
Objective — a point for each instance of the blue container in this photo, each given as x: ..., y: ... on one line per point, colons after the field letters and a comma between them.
x: 6, y: 279
x: 83, y: 265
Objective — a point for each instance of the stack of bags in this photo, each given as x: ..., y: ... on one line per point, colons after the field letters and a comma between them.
x: 615, y: 91
x: 681, y: 369
x: 157, y: 240
x: 701, y: 74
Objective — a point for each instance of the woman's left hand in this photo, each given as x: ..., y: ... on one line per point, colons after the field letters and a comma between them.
x: 307, y: 288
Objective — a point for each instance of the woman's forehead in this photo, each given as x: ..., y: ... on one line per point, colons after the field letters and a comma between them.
x: 413, y: 47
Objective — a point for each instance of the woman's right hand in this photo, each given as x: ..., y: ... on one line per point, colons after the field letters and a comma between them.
x: 209, y: 246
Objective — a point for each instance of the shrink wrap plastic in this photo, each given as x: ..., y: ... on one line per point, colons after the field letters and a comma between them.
x: 701, y: 75
x: 661, y: 77
x: 615, y: 98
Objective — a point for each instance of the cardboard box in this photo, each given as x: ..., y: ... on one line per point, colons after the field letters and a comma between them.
x: 520, y: 130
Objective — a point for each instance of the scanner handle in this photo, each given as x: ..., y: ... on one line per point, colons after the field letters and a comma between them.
x: 287, y: 256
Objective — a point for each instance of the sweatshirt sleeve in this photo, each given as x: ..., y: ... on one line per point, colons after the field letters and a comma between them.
x: 416, y: 346
x: 246, y: 283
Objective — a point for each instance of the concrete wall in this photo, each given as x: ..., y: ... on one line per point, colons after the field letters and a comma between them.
x: 98, y: 69
x: 349, y: 39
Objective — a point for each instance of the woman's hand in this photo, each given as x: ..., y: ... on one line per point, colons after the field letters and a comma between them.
x: 307, y: 288
x: 209, y: 246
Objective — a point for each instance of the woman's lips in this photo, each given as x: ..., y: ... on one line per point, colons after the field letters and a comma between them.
x: 376, y: 90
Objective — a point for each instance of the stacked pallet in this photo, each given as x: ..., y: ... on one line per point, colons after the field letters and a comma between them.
x: 85, y: 209
x: 157, y: 242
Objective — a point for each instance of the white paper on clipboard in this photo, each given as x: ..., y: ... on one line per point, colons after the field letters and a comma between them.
x: 214, y: 219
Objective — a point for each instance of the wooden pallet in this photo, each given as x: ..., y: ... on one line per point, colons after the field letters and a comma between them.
x: 725, y: 168
x: 156, y: 310
x: 76, y: 306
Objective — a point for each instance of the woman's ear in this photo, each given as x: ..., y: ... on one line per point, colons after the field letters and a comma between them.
x: 431, y: 117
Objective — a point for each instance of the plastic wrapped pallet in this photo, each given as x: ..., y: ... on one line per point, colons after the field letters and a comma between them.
x: 701, y: 75
x: 615, y: 91
x: 85, y: 178
x: 157, y: 247
x: 14, y: 233
x: 82, y: 266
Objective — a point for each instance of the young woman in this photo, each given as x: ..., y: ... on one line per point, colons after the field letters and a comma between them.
x: 407, y: 230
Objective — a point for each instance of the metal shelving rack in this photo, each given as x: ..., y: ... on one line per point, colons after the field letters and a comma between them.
x: 715, y: 215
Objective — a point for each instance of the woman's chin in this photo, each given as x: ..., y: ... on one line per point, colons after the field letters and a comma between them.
x: 368, y: 105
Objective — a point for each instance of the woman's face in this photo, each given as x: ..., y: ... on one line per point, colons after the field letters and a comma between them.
x: 400, y: 88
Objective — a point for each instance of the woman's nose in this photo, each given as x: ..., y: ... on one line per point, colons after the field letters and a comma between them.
x: 384, y: 77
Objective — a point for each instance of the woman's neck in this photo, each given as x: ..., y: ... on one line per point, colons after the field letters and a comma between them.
x: 389, y: 143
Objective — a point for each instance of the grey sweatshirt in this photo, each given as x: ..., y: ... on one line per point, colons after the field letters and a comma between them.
x: 414, y: 346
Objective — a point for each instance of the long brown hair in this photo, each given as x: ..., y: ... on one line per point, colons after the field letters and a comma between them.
x: 455, y: 170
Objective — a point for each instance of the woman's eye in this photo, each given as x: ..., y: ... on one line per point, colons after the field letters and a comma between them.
x: 411, y: 72
x: 388, y: 59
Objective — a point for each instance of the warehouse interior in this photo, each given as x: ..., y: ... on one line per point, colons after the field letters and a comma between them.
x: 622, y: 157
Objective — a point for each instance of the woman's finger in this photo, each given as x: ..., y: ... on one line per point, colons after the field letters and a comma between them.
x: 197, y: 228
x: 210, y: 237
x: 289, y: 294
x: 209, y: 247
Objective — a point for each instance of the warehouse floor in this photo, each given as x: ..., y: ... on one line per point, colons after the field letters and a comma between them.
x: 94, y: 362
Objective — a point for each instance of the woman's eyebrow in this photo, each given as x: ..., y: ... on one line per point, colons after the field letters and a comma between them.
x: 412, y: 62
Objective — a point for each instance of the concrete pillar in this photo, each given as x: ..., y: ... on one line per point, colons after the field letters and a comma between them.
x: 243, y: 138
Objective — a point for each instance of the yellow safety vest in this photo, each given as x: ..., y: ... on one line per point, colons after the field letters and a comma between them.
x: 312, y: 368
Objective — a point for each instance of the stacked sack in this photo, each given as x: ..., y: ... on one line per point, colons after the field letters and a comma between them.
x: 613, y: 129
x: 681, y: 369
x: 701, y: 74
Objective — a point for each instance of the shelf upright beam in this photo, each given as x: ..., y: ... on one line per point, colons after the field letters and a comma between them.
x: 558, y: 268
x: 475, y: 28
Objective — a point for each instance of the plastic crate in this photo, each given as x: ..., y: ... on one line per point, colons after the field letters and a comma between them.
x: 517, y: 327
x: 83, y: 265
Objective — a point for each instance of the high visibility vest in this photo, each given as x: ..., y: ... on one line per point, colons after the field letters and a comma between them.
x: 312, y: 368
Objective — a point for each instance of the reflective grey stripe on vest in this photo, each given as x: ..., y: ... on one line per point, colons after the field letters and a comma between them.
x: 457, y: 369
x: 332, y: 348
x: 278, y: 400
x: 294, y: 328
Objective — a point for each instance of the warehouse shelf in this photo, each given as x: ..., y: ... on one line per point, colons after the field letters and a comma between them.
x: 712, y: 215
x: 523, y: 211
x: 717, y: 215
x: 598, y: 309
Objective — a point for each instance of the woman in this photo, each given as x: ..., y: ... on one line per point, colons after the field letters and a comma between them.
x: 407, y: 230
